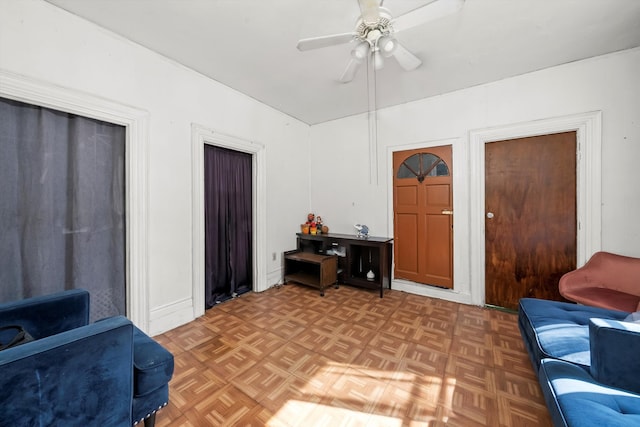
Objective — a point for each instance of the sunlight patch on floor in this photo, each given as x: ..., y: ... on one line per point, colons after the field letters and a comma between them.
x: 349, y: 399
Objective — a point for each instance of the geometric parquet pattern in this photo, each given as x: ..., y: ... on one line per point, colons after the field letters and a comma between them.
x: 289, y: 357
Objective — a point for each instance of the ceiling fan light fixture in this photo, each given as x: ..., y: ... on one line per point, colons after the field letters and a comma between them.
x: 360, y: 52
x: 386, y: 45
x: 374, y: 35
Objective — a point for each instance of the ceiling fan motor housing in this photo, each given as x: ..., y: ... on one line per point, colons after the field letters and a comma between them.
x: 374, y: 38
x: 373, y: 32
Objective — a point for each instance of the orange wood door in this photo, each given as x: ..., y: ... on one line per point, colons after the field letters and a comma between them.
x: 530, y: 217
x: 423, y: 216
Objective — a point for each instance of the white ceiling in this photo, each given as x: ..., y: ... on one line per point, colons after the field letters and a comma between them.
x: 250, y: 45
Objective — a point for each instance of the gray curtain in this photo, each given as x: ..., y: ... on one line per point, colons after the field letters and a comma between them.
x: 62, y: 206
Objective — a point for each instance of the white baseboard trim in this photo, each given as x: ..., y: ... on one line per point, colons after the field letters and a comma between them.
x: 274, y: 278
x: 170, y: 316
x: 431, y: 291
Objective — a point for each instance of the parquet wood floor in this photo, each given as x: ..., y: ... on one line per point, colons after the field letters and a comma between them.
x: 288, y: 357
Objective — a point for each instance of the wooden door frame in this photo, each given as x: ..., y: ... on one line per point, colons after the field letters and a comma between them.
x: 461, y: 285
x: 588, y: 128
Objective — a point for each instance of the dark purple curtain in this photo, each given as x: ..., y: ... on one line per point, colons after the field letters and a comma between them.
x: 62, y: 206
x: 228, y: 224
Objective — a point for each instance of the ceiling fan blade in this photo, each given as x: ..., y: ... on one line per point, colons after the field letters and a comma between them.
x: 430, y: 12
x: 324, y: 41
x: 350, y: 71
x: 369, y: 11
x: 407, y: 60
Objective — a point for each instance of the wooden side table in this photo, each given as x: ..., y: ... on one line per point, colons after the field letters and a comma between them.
x: 357, y: 257
x: 311, y: 269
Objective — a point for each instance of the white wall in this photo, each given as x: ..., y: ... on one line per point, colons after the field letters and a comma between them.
x: 40, y: 41
x: 608, y: 84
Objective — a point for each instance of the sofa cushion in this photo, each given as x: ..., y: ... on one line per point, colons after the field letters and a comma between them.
x: 614, y: 353
x: 633, y: 317
x: 575, y: 399
x: 152, y: 364
x: 559, y: 330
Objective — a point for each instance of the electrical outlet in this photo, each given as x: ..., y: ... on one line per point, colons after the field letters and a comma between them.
x: 273, y: 256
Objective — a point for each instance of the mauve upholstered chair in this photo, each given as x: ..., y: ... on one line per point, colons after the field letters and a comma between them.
x: 607, y: 280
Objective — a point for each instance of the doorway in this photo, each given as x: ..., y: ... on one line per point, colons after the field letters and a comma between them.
x: 200, y: 137
x: 530, y: 217
x: 228, y: 223
x: 423, y: 215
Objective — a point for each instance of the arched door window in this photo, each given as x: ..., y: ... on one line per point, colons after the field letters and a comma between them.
x: 422, y: 165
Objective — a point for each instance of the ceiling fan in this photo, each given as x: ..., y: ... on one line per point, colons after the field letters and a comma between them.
x: 375, y: 31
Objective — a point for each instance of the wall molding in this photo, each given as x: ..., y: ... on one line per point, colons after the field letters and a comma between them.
x: 201, y: 136
x: 588, y: 128
x: 275, y: 277
x: 164, y: 318
x: 46, y: 94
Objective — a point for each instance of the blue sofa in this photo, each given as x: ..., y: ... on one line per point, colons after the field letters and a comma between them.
x: 108, y: 373
x: 587, y: 362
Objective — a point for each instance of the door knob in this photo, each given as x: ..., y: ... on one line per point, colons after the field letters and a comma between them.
x: 490, y: 215
x: 447, y: 212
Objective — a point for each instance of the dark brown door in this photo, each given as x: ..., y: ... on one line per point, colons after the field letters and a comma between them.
x: 530, y: 217
x: 423, y: 216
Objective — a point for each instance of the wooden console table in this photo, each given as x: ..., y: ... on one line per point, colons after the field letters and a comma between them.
x: 356, y: 257
x: 311, y: 269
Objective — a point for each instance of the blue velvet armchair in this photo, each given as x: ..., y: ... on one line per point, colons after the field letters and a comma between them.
x: 107, y: 373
